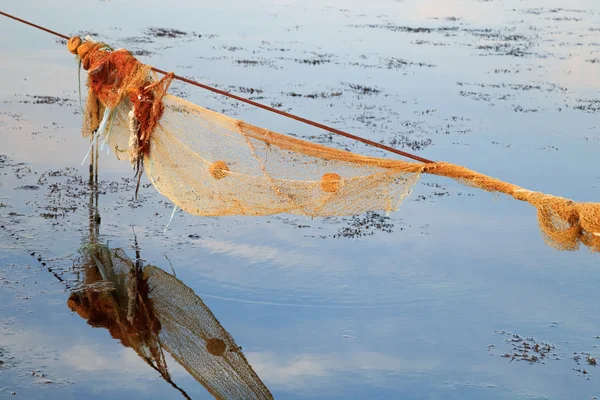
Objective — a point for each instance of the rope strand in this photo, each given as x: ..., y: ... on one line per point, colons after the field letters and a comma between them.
x: 256, y: 104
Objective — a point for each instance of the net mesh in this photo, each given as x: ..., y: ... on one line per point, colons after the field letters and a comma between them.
x: 151, y: 311
x: 211, y: 165
x: 195, y: 338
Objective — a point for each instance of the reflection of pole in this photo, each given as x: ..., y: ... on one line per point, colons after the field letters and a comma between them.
x: 167, y: 378
x: 94, y: 215
x: 92, y: 239
x: 96, y: 192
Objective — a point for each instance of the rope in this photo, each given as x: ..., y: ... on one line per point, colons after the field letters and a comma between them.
x: 254, y: 103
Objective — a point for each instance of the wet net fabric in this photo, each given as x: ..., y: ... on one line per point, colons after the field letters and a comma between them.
x: 195, y: 339
x: 209, y: 164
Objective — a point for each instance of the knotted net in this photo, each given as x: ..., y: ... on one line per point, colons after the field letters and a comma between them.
x: 209, y: 164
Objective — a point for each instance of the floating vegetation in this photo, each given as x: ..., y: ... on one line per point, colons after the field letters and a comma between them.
x: 322, y: 95
x: 408, y: 29
x: 142, y: 53
x: 365, y: 225
x: 529, y: 350
x: 49, y: 100
x: 255, y: 63
x: 532, y: 351
x: 361, y: 89
x: 397, y: 63
x: 314, y: 61
x: 589, y: 106
x: 165, y: 33
x: 403, y: 141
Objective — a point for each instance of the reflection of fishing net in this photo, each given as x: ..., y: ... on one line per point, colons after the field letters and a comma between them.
x: 113, y: 297
x: 193, y: 336
x: 211, y: 165
x: 151, y: 311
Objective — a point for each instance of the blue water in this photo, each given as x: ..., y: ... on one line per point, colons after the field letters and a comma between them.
x: 411, y: 314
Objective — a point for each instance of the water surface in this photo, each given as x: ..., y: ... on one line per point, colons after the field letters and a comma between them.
x: 423, y: 303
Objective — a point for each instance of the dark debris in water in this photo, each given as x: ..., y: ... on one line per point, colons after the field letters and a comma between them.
x: 246, y: 90
x: 421, y: 42
x: 179, y: 91
x: 260, y: 62
x: 137, y: 40
x: 51, y: 100
x: 504, y: 49
x: 402, y: 141
x: 5, y: 161
x: 585, y: 363
x: 322, y: 95
x: 361, y: 89
x: 546, y: 10
x: 574, y: 19
x: 491, y: 41
x: 204, y: 35
x: 142, y: 53
x: 533, y: 351
x: 589, y: 106
x: 521, y: 109
x: 365, y: 225
x: 6, y: 360
x: 407, y: 29
x: 398, y: 63
x: 544, y: 87
x: 28, y: 187
x: 528, y: 349
x: 169, y: 33
x: 313, y: 61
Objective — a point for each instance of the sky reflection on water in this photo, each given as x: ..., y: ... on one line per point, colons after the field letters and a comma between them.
x: 406, y: 314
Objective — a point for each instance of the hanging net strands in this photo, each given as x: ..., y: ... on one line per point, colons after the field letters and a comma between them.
x: 209, y: 164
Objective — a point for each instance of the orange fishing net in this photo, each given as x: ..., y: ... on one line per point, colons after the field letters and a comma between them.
x: 211, y: 165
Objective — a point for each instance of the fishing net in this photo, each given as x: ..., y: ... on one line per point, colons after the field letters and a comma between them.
x: 151, y: 311
x: 211, y: 165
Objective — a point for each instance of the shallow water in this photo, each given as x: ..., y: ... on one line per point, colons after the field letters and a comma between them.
x: 421, y: 304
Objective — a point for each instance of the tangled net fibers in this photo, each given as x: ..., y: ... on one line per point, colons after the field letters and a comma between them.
x: 211, y: 165
x: 151, y: 311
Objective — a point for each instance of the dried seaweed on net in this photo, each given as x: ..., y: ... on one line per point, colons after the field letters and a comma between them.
x: 152, y: 312
x: 211, y: 165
